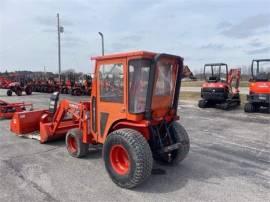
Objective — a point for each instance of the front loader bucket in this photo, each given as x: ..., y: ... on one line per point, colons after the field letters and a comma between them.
x: 26, y: 122
x: 47, y: 133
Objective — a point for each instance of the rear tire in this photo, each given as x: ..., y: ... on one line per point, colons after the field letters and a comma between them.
x: 9, y: 92
x: 249, y: 108
x: 180, y: 136
x: 74, y: 144
x: 128, y: 158
x: 28, y: 91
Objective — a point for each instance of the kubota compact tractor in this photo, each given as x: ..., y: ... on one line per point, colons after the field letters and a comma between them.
x: 218, y: 90
x: 132, y: 111
x: 259, y: 86
x: 18, y: 89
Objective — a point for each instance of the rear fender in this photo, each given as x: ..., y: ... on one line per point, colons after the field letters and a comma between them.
x: 141, y: 126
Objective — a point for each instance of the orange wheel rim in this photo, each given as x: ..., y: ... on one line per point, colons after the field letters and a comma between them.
x: 119, y: 159
x: 72, y: 145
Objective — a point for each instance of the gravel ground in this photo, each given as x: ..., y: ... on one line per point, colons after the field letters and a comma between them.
x: 229, y: 160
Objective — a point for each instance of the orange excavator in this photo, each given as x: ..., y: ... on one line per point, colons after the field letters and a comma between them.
x: 218, y: 89
x: 259, y: 86
x: 134, y: 116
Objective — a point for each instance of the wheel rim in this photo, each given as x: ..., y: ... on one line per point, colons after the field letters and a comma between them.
x: 119, y: 159
x: 72, y: 144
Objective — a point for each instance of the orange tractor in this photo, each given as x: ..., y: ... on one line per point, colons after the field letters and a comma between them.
x: 259, y: 86
x: 18, y: 89
x: 218, y: 89
x: 132, y: 111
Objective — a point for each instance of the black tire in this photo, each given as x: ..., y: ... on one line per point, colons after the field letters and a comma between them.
x: 9, y: 92
x: 202, y: 103
x: 180, y: 136
x: 78, y: 92
x: 74, y: 144
x: 140, y: 160
x: 249, y: 108
x: 28, y: 91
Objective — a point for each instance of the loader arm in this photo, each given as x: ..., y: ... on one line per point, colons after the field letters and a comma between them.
x: 75, y: 110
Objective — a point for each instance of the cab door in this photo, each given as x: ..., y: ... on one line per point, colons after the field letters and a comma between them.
x: 111, y: 94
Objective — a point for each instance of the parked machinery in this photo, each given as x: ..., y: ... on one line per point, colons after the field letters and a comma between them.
x: 4, y: 82
x: 132, y: 111
x: 18, y: 89
x: 7, y: 109
x: 259, y: 86
x: 217, y: 90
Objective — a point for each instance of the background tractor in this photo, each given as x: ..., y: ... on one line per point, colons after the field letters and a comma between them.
x: 132, y: 111
x: 259, y: 86
x: 18, y: 89
x: 221, y: 88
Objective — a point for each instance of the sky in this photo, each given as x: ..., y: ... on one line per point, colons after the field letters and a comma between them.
x: 230, y: 31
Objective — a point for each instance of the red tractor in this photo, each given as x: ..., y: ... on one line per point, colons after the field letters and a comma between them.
x: 18, y: 89
x: 259, y: 86
x: 134, y: 116
x: 7, y: 109
x: 218, y: 90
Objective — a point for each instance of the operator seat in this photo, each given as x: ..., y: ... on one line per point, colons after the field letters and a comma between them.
x: 214, y: 78
x: 54, y: 102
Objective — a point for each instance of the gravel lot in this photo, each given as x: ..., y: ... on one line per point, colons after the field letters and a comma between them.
x: 229, y: 160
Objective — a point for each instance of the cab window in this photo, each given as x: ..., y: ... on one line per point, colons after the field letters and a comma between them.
x: 111, y: 83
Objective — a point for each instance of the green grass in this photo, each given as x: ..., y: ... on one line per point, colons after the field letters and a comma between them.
x: 190, y: 96
x: 199, y: 83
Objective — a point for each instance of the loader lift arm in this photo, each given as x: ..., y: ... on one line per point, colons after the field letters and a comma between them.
x: 68, y: 115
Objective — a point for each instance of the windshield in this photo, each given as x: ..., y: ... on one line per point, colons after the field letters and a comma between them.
x: 138, y: 84
x: 215, y: 73
x: 165, y: 83
x: 261, y: 67
x: 261, y: 70
x: 165, y: 80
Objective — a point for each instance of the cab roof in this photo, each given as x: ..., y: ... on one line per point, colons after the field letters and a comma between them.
x: 215, y: 64
x: 124, y: 54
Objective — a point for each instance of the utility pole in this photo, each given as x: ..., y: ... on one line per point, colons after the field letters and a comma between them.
x: 45, y: 71
x: 102, y: 41
x: 60, y: 29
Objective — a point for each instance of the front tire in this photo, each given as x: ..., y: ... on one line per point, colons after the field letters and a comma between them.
x: 74, y: 144
x: 128, y: 158
x: 9, y: 92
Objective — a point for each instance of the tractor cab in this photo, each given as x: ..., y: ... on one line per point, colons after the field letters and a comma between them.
x: 259, y: 86
x: 135, y: 87
x: 216, y: 72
